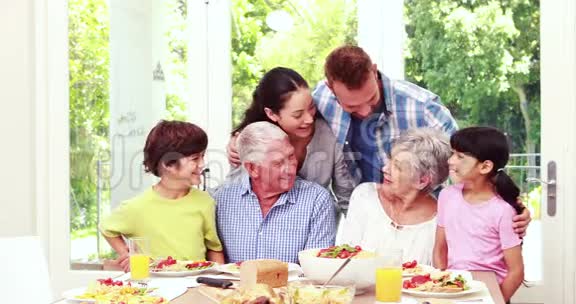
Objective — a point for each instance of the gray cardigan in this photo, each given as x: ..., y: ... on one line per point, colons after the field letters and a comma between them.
x: 324, y: 164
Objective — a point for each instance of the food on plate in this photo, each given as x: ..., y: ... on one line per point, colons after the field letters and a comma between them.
x: 110, y: 282
x: 438, y: 281
x: 110, y: 291
x: 303, y: 293
x: 412, y: 267
x: 254, y: 294
x: 170, y: 264
x: 271, y: 272
x: 343, y: 252
x: 233, y: 267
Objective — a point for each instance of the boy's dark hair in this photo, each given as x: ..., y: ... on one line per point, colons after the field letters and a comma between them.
x: 170, y: 141
x: 486, y: 143
x: 274, y: 89
x: 348, y: 64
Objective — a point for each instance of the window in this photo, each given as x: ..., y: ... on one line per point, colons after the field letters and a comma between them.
x: 129, y: 68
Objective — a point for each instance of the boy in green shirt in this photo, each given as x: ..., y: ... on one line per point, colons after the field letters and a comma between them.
x: 178, y: 220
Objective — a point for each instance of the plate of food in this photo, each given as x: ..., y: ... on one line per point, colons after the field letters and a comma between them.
x: 305, y: 292
x: 440, y: 284
x: 171, y: 267
x: 412, y: 268
x: 111, y: 291
x: 234, y: 268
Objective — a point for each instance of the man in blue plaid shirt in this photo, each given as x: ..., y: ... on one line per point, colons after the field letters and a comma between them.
x: 272, y: 213
x: 367, y: 111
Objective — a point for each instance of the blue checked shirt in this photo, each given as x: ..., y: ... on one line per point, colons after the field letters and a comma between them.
x: 302, y: 218
x: 406, y: 106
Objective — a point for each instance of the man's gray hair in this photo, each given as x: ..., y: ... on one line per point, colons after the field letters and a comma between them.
x: 252, y: 143
x: 429, y: 150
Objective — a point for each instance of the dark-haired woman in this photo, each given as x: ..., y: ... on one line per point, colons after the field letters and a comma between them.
x: 176, y: 218
x: 475, y: 214
x: 283, y: 98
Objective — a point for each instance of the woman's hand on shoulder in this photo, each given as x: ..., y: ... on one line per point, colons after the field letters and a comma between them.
x: 231, y: 152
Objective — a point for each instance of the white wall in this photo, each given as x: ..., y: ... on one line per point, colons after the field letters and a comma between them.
x: 17, y: 151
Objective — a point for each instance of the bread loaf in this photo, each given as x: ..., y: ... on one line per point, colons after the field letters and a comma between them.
x: 271, y: 272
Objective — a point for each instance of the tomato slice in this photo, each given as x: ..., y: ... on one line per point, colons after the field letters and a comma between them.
x: 420, y: 279
x: 344, y: 254
x: 406, y: 284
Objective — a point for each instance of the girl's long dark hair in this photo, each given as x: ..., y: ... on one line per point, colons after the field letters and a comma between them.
x: 485, y: 143
x: 273, y: 90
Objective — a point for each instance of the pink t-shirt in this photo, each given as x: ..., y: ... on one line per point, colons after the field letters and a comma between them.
x: 477, y: 234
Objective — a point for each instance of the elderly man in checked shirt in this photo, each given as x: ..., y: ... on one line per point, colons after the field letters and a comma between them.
x: 271, y: 213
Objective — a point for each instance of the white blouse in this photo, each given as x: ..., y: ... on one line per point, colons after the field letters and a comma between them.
x: 368, y: 225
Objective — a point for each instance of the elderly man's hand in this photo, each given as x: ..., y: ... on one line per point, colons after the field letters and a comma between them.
x: 521, y: 221
x: 233, y: 157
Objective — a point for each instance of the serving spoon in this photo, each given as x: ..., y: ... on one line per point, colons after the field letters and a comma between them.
x: 337, y: 271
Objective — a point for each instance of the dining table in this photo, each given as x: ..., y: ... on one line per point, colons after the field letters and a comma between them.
x: 193, y: 295
x: 490, y: 295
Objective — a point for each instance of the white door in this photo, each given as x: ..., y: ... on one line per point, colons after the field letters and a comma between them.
x: 558, y: 136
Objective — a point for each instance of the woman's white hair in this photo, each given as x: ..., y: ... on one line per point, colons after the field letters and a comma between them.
x: 252, y: 143
x: 429, y: 150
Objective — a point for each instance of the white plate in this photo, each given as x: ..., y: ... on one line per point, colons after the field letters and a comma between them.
x: 425, y: 269
x: 229, y: 268
x: 475, y: 286
x: 232, y: 269
x: 181, y: 273
x: 184, y: 273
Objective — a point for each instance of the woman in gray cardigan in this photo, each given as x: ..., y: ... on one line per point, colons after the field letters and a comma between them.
x: 283, y: 98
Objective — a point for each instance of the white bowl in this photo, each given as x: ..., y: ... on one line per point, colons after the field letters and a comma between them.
x: 361, y: 271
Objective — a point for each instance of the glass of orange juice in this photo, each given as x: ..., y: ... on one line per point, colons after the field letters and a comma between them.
x: 389, y: 275
x: 139, y: 258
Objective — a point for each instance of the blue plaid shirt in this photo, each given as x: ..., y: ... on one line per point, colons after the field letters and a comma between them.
x: 302, y: 218
x: 406, y: 106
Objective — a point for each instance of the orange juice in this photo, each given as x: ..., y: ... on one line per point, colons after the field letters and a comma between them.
x: 139, y: 266
x: 388, y: 284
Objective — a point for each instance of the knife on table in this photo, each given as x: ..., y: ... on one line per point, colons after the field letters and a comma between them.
x: 220, y: 283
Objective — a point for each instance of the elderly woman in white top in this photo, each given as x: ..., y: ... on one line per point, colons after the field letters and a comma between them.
x: 401, y: 212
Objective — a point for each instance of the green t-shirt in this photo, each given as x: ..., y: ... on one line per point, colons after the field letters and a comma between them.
x: 183, y: 228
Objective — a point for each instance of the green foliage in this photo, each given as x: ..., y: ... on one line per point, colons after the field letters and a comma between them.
x: 312, y: 38
x: 89, y: 64
x: 89, y: 61
x: 175, y: 65
x: 319, y: 27
x: 532, y: 201
x: 476, y: 55
x: 108, y: 255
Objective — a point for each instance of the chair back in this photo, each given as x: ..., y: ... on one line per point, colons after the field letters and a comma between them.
x: 24, y: 274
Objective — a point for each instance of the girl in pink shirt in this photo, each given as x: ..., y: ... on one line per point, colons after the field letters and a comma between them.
x: 475, y: 214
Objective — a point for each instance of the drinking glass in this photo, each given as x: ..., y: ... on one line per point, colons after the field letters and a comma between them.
x: 389, y: 275
x: 139, y: 248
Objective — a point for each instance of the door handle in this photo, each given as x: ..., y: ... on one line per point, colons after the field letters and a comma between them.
x: 551, y: 188
x: 537, y: 180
